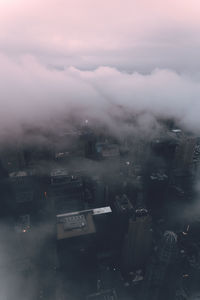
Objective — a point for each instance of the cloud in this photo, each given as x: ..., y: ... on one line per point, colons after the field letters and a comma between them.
x: 32, y: 93
x: 105, y: 61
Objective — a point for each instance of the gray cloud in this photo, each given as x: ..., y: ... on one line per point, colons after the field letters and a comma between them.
x: 142, y: 58
x: 32, y: 93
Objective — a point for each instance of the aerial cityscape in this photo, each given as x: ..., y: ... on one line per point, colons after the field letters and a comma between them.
x: 99, y: 150
x: 102, y: 218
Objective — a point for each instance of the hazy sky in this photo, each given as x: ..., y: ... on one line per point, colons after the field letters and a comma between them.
x: 127, y: 34
x: 91, y: 55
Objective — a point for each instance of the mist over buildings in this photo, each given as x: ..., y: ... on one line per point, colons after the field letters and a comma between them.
x: 32, y: 93
x: 90, y: 87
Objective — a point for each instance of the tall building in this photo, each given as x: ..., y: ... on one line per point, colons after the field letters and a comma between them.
x: 162, y: 273
x: 138, y: 241
x: 66, y: 191
x: 185, y: 153
x: 103, y: 295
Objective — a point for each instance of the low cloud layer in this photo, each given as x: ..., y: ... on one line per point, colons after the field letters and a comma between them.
x: 98, y: 60
x: 33, y: 94
x: 105, y: 61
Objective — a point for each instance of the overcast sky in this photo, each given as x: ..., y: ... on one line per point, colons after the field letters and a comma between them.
x: 91, y: 55
x: 127, y: 34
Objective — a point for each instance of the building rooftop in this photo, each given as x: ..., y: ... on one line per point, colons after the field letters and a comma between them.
x: 102, y: 210
x: 78, y: 223
x: 18, y: 174
x: 74, y: 224
x: 59, y: 172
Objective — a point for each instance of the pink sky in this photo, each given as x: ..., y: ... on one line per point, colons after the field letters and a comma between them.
x: 95, y: 55
x: 98, y: 32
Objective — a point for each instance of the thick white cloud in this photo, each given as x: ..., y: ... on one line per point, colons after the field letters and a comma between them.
x: 142, y: 56
x: 34, y: 94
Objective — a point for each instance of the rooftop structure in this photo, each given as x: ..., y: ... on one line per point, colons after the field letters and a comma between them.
x: 78, y: 223
x: 74, y: 224
x: 61, y: 177
x: 103, y: 295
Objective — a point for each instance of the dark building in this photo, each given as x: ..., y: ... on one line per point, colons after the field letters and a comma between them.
x: 138, y: 241
x: 96, y: 225
x: 67, y: 145
x: 23, y: 224
x: 77, y: 248
x: 89, y: 140
x: 162, y: 273
x: 103, y: 295
x: 107, y: 150
x: 66, y: 191
x: 25, y: 192
x: 80, y: 223
x: 74, y: 224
